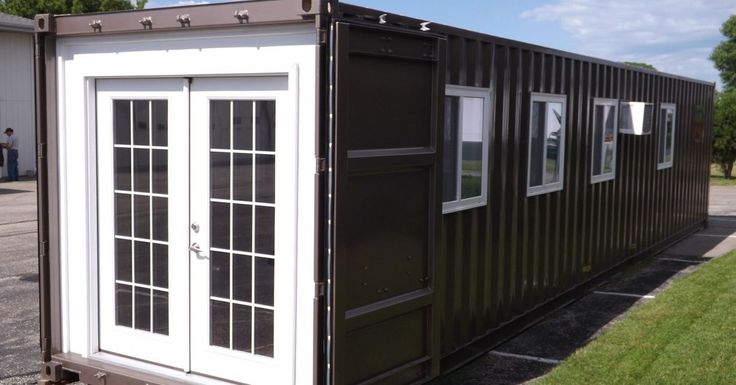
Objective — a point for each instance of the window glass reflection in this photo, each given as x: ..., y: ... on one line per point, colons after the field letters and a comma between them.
x: 472, y: 147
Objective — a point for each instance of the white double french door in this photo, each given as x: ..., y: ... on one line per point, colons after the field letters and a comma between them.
x: 197, y: 224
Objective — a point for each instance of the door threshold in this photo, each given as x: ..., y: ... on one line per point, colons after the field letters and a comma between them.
x: 177, y: 375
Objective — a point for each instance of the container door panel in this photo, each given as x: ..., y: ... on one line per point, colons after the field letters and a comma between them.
x: 389, y: 85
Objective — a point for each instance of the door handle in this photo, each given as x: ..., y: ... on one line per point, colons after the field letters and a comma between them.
x: 198, y: 250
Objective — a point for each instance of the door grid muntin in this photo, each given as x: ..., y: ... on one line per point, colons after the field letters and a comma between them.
x: 140, y: 158
x: 242, y: 214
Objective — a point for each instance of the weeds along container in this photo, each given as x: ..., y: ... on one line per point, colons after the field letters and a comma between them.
x: 307, y: 192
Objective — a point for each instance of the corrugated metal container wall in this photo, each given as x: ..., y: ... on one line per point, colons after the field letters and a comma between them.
x: 16, y: 96
x: 517, y: 252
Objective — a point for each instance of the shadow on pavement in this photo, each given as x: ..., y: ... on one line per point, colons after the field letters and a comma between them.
x: 12, y: 191
x: 29, y: 277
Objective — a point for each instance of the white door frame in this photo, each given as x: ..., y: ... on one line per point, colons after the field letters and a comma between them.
x: 252, y: 51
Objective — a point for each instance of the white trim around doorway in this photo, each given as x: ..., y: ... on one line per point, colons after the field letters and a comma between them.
x: 257, y: 51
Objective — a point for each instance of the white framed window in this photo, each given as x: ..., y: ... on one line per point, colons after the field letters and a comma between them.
x: 465, y: 159
x: 546, y: 167
x: 605, y: 123
x: 666, y: 135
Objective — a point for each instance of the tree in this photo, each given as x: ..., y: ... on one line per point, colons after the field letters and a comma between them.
x: 29, y: 8
x: 724, y: 55
x: 724, y: 131
x: 641, y: 65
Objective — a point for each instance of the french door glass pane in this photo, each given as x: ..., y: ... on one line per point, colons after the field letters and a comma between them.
x: 264, y: 332
x: 123, y: 305
x: 265, y: 165
x: 159, y: 119
x: 123, y: 215
x: 265, y: 122
x: 122, y: 168
x: 121, y: 121
x: 242, y: 227
x: 220, y: 275
x: 243, y: 177
x: 161, y: 312
x: 141, y: 214
x: 141, y: 169
x: 243, y: 124
x: 220, y: 171
x: 242, y: 208
x: 142, y: 308
x: 123, y: 260
x: 242, y: 278
x: 242, y: 321
x: 160, y: 171
x: 141, y: 117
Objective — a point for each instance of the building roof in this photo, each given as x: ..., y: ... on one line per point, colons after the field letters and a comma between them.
x: 15, y: 23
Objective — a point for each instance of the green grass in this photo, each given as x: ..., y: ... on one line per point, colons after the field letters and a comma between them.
x: 470, y: 186
x: 717, y: 179
x: 687, y: 335
x: 471, y: 165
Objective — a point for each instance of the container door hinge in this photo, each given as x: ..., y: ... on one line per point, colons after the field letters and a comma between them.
x: 43, y: 246
x: 41, y: 150
x: 321, y: 165
x: 45, y: 344
x: 319, y: 289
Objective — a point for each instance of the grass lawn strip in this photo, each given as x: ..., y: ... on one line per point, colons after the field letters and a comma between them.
x: 716, y: 330
x: 687, y: 335
x: 717, y: 179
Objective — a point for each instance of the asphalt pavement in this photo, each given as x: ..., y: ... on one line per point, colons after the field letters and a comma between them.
x: 19, y: 347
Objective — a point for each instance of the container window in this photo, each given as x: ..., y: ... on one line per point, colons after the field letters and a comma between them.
x: 465, y: 160
x: 604, y: 140
x: 546, y: 143
x: 666, y: 136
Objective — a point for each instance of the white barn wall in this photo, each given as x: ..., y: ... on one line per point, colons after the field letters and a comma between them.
x: 16, y: 96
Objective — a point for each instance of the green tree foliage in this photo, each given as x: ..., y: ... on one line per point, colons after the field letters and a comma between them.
x: 724, y: 124
x: 724, y: 131
x: 641, y: 65
x: 724, y: 55
x: 29, y: 8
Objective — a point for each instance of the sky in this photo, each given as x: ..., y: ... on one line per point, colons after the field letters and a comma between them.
x: 675, y: 36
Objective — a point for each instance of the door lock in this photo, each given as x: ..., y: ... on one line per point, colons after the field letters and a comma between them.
x: 195, y: 248
x: 195, y: 227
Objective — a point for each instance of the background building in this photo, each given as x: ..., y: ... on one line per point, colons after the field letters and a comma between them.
x: 16, y: 88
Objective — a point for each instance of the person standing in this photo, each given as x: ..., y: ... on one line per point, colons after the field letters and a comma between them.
x: 11, y: 144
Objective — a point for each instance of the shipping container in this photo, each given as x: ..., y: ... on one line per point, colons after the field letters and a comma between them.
x: 310, y: 192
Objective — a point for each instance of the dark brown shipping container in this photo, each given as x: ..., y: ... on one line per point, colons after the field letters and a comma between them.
x: 403, y: 292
